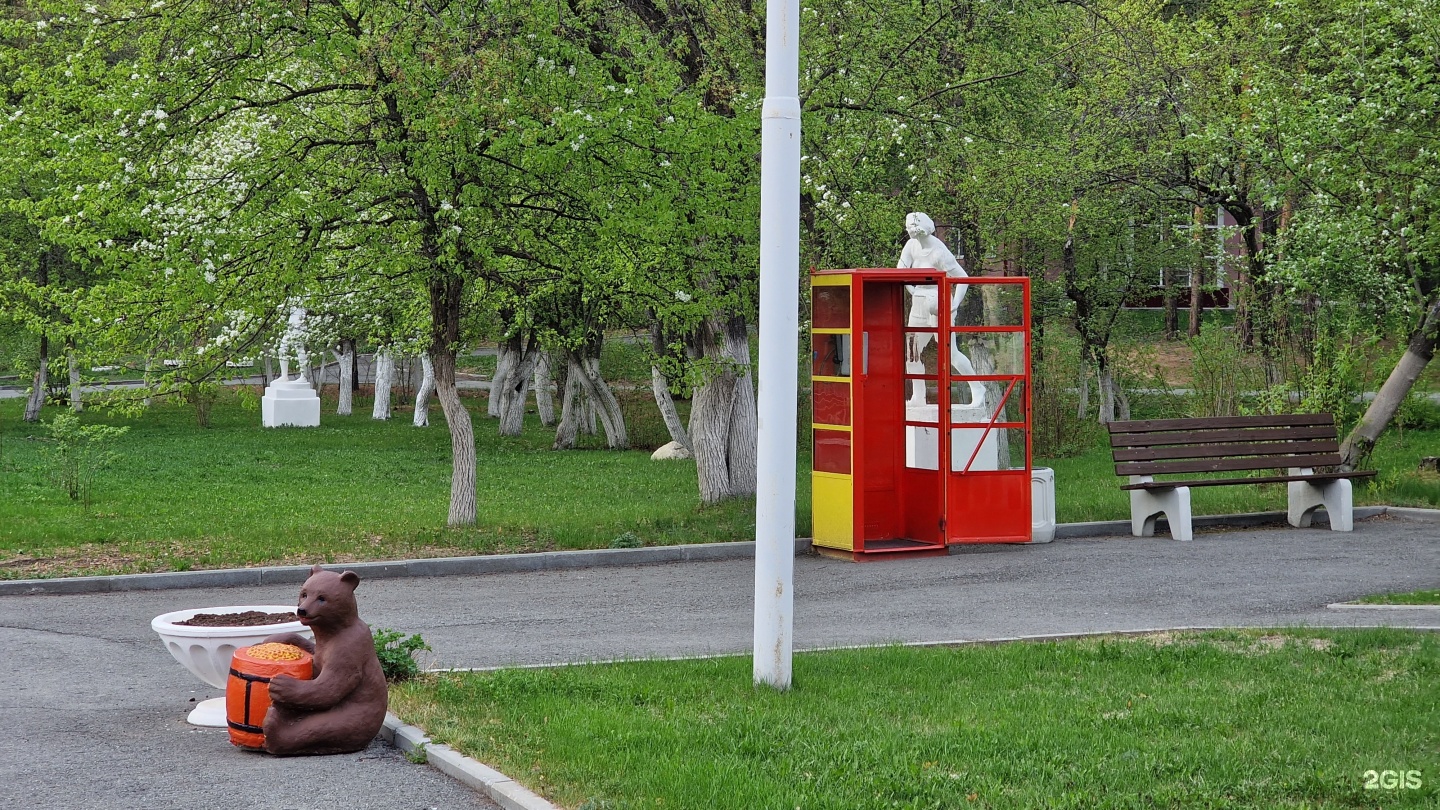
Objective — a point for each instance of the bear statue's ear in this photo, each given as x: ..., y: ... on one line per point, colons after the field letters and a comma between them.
x: 317, y: 569
x: 350, y: 578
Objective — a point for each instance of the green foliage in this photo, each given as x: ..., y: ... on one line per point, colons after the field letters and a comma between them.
x: 1221, y: 372
x: 397, y: 654
x: 76, y: 453
x: 627, y: 540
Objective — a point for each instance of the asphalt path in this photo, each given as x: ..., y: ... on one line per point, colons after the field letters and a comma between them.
x: 93, y: 707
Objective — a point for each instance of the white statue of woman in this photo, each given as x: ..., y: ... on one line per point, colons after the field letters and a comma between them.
x: 294, y: 337
x: 924, y: 250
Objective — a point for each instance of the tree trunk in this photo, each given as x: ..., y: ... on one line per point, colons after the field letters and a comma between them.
x: 544, y: 402
x: 384, y: 379
x: 565, y: 433
x: 514, y: 390
x: 446, y: 296
x: 40, y: 384
x: 1358, y: 444
x: 77, y: 403
x: 422, y: 396
x: 1197, y: 275
x: 1106, y: 383
x: 710, y: 411
x: 1082, y: 406
x: 666, y: 403
x: 744, y: 440
x: 345, y: 362
x: 603, y: 400
x: 1172, y: 305
x: 719, y: 425
x: 505, y: 359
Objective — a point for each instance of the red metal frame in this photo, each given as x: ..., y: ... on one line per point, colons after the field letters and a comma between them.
x: 899, y: 508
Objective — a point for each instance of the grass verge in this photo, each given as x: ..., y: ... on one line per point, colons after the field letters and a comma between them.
x: 1214, y: 720
x: 1431, y: 597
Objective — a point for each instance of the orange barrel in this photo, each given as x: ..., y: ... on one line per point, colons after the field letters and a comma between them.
x: 247, y: 693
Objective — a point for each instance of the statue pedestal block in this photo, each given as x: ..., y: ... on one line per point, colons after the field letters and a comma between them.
x: 290, y: 403
x: 922, y: 449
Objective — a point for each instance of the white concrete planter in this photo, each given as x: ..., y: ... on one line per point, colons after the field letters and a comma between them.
x: 206, y: 651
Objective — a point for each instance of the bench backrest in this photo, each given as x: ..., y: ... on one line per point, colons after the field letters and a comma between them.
x: 1224, y: 444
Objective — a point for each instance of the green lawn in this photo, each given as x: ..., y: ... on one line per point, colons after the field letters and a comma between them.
x: 355, y: 488
x: 1431, y: 597
x: 1233, y: 719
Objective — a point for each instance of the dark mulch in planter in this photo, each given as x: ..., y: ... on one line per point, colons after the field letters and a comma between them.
x: 248, y: 618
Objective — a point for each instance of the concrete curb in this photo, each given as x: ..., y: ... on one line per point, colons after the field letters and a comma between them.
x: 473, y: 774
x: 563, y: 560
x: 434, y: 567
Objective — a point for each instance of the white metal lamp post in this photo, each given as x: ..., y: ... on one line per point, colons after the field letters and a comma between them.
x: 779, y: 344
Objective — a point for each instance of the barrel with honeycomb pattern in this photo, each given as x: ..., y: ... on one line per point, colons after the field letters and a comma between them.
x: 247, y: 693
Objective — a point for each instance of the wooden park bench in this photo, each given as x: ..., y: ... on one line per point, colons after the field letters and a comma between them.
x: 1286, y: 448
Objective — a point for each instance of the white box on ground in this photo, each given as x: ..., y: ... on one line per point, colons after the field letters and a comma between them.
x: 1042, y: 504
x: 290, y: 403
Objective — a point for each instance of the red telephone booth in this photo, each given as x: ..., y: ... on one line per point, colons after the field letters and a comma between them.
x: 901, y: 358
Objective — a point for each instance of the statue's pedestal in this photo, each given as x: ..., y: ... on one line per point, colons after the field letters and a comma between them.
x: 290, y: 403
x: 922, y: 444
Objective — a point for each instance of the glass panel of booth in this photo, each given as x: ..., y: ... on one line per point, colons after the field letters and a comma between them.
x: 987, y: 354
x: 830, y: 307
x: 990, y: 304
x: 831, y: 353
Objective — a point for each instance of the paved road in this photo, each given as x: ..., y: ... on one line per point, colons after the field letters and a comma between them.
x: 93, y: 707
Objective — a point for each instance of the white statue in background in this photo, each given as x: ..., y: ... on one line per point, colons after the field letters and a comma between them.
x: 925, y: 250
x: 294, y: 339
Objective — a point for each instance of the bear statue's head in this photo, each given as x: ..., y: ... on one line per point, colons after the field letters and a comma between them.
x: 327, y: 598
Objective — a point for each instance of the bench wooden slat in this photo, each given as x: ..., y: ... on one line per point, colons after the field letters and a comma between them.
x: 1221, y: 436
x: 1269, y: 479
x: 1228, y: 464
x: 1220, y: 422
x: 1219, y: 450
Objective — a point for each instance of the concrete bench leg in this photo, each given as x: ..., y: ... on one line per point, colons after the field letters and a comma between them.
x: 1147, y: 505
x: 1335, y: 496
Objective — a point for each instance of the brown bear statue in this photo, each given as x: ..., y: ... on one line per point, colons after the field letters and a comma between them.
x: 341, y: 709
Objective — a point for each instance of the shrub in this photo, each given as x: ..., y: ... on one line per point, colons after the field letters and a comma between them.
x: 397, y: 652
x: 76, y: 453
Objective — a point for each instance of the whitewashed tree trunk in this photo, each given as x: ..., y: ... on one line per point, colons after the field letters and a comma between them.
x: 1418, y: 354
x: 344, y: 354
x: 1083, y: 384
x: 744, y: 439
x: 544, y: 401
x: 710, y: 410
x: 77, y: 403
x: 715, y: 413
x: 515, y: 390
x: 39, y: 384
x: 384, y: 380
x: 504, y: 359
x: 422, y: 396
x: 606, y: 406
x: 587, y: 409
x: 565, y: 432
x: 462, y: 440
x: 666, y: 403
x: 1106, y: 384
